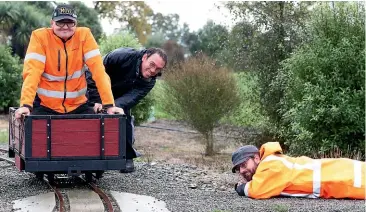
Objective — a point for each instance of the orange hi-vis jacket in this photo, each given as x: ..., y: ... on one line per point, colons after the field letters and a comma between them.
x: 53, y: 70
x: 281, y: 175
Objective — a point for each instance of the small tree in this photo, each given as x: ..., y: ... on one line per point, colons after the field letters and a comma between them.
x: 143, y: 109
x: 174, y: 51
x: 10, y: 78
x: 200, y: 93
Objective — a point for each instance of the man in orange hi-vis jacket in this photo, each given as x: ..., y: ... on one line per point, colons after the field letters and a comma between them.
x: 267, y: 173
x: 53, y: 68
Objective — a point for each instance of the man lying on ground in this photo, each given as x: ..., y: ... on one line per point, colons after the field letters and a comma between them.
x: 268, y: 172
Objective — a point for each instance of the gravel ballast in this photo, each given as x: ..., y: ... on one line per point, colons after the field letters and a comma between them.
x: 181, y: 187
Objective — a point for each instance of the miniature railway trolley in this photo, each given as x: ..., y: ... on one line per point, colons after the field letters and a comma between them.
x: 68, y: 144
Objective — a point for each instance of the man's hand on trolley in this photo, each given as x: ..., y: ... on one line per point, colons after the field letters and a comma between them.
x: 20, y: 111
x: 115, y: 110
x: 98, y: 108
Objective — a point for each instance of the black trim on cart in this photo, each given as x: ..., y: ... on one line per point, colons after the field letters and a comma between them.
x: 76, y: 116
x: 73, y: 165
x: 28, y: 137
x: 122, y: 138
x: 74, y: 158
x: 49, y: 138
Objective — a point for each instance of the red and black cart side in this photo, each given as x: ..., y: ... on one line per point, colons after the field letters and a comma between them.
x: 70, y: 144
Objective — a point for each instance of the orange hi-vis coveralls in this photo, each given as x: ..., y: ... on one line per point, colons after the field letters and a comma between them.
x: 53, y: 70
x: 281, y: 175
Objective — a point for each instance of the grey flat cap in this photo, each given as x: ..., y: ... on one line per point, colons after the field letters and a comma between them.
x: 242, y: 154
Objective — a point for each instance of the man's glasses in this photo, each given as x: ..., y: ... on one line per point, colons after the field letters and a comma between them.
x: 68, y: 24
x: 242, y: 165
x: 154, y: 66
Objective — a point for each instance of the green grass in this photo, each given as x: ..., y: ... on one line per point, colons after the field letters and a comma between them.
x: 280, y: 208
x: 3, y: 136
x: 158, y: 112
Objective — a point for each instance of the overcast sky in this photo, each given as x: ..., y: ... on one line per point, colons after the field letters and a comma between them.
x: 194, y: 13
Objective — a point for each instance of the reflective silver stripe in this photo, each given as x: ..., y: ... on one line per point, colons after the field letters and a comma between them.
x: 298, y: 195
x: 357, y: 167
x: 315, y: 166
x: 35, y: 56
x: 91, y: 54
x: 246, y: 187
x: 75, y: 75
x: 317, y: 177
x: 60, y: 94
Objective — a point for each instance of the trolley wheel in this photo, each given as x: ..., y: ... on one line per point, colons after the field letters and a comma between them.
x: 88, y: 177
x: 99, y: 174
x: 39, y: 175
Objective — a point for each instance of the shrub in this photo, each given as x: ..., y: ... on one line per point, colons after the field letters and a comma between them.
x: 324, y: 103
x: 10, y: 79
x: 118, y: 40
x: 143, y: 109
x: 248, y: 114
x: 200, y: 93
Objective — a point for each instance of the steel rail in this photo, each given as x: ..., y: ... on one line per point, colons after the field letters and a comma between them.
x: 101, y: 194
x: 61, y: 202
x: 104, y: 196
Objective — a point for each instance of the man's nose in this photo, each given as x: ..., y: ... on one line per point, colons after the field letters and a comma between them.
x: 65, y: 26
x: 153, y: 70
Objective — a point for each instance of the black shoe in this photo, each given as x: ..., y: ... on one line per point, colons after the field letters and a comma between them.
x: 129, y: 166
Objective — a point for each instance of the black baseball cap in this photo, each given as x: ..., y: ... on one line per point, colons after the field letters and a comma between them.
x: 242, y: 154
x: 64, y: 11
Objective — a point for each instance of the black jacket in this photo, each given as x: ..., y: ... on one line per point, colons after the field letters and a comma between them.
x: 128, y: 86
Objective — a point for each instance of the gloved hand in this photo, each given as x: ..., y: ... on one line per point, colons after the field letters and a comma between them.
x: 239, y: 188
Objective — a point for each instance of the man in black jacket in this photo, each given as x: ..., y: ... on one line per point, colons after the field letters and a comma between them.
x: 133, y: 74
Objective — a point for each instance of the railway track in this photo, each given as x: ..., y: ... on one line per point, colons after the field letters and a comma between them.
x: 64, y: 201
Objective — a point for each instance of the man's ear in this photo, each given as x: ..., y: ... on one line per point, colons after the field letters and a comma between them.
x: 144, y: 57
x: 257, y: 158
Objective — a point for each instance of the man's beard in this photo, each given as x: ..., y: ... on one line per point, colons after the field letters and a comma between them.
x: 249, y: 174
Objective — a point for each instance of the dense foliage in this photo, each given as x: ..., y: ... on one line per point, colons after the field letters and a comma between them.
x: 324, y: 83
x: 10, y: 79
